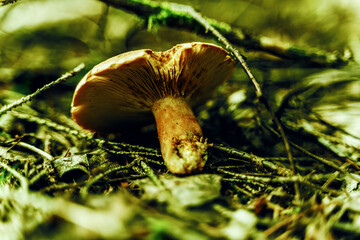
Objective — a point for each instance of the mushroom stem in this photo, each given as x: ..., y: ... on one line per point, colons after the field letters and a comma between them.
x: 182, y: 145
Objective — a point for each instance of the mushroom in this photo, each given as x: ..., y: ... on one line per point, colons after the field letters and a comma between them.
x: 122, y: 90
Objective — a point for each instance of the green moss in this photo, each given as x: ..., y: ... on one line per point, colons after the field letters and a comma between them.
x: 5, y: 174
x: 295, y: 51
x: 168, y: 12
x: 221, y: 26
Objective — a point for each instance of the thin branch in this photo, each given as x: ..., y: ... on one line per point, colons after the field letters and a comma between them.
x: 171, y: 14
x: 270, y: 179
x: 100, y: 142
x: 329, y: 142
x: 38, y: 176
x: 27, y: 98
x: 318, y: 158
x: 85, y: 190
x: 47, y: 122
x: 36, y: 150
x: 132, y: 153
x: 254, y: 159
x: 151, y: 174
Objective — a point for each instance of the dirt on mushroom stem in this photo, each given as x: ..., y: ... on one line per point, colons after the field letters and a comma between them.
x: 182, y: 144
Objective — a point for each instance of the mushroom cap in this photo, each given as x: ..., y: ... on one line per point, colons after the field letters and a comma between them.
x: 122, y: 90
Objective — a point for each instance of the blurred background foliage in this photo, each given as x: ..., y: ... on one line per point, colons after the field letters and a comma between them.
x: 39, y: 40
x: 47, y: 37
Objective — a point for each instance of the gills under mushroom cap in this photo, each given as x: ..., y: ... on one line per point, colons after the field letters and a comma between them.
x: 123, y: 89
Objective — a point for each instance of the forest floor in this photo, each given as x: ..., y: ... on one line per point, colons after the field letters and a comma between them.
x: 283, y: 147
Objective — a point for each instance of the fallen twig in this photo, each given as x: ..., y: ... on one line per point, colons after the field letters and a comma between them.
x: 27, y: 98
x: 100, y: 142
x: 85, y: 189
x: 259, y: 161
x: 172, y: 14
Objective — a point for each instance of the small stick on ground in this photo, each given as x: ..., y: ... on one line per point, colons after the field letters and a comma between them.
x: 259, y: 161
x: 27, y: 98
x: 168, y: 14
x: 85, y: 190
x: 151, y: 174
x: 100, y: 142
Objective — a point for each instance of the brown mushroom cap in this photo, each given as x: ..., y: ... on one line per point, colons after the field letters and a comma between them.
x: 122, y: 90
